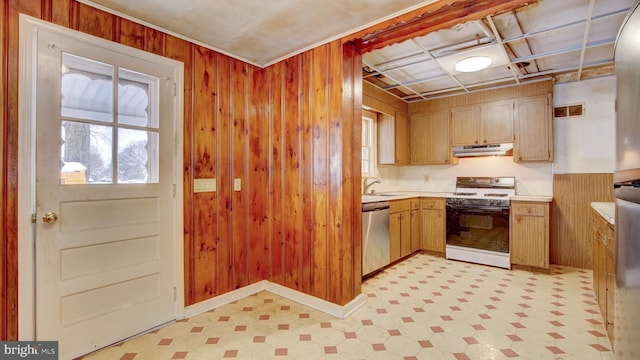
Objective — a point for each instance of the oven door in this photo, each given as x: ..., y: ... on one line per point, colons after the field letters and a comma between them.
x: 480, y: 227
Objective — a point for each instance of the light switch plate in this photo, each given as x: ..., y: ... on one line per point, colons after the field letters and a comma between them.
x: 204, y: 185
x: 237, y: 184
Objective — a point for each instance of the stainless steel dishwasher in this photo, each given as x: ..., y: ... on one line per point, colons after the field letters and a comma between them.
x: 375, y: 236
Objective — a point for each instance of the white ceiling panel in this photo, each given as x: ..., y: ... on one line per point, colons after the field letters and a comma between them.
x: 539, y: 40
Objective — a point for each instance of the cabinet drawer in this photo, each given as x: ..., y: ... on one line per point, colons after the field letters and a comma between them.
x: 432, y: 203
x: 415, y: 204
x: 528, y: 209
x: 399, y: 205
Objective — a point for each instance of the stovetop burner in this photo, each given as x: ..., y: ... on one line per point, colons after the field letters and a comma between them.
x: 483, y: 191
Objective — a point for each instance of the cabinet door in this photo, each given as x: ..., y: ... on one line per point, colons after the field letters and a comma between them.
x: 602, y: 278
x: 497, y: 122
x: 395, y: 234
x: 405, y: 233
x: 533, y: 129
x: 393, y: 138
x: 465, y: 125
x: 530, y: 234
x: 528, y: 243
x: 402, y: 138
x: 433, y: 230
x: 430, y: 143
x: 596, y: 249
x: 416, y: 230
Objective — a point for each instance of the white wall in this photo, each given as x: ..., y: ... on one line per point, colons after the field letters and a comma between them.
x: 581, y: 145
x: 586, y: 144
x: 531, y: 179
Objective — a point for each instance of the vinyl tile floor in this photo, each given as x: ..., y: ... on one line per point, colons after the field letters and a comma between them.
x: 425, y: 307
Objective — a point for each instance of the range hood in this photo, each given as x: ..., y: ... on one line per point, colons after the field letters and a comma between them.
x: 483, y: 150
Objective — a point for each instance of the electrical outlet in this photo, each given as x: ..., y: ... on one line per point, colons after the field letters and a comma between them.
x: 204, y: 185
x: 237, y: 184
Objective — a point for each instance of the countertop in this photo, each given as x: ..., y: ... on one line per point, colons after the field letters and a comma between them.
x: 606, y: 209
x: 399, y: 195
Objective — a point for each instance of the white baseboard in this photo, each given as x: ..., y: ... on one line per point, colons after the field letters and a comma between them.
x: 327, y: 307
x: 223, y: 299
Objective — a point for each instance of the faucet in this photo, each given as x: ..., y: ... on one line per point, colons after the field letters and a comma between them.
x: 366, y: 186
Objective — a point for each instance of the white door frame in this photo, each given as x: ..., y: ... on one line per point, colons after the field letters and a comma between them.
x: 29, y: 27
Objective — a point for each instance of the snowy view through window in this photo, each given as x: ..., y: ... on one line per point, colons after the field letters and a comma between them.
x: 99, y: 144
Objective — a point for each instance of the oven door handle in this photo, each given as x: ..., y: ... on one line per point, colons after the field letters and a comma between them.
x: 479, y: 209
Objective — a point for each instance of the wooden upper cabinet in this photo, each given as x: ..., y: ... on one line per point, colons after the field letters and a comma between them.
x: 497, y: 122
x: 489, y: 123
x: 465, y: 125
x: 533, y: 129
x: 430, y: 138
x: 393, y: 139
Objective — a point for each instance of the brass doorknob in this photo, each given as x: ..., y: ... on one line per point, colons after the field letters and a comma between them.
x: 50, y: 217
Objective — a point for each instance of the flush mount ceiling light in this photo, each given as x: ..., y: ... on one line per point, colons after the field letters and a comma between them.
x: 474, y: 63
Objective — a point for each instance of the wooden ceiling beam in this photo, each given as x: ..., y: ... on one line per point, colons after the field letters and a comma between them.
x: 436, y: 16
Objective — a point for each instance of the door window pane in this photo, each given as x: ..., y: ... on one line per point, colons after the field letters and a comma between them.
x: 86, y: 153
x: 137, y: 156
x: 134, y: 93
x: 87, y: 89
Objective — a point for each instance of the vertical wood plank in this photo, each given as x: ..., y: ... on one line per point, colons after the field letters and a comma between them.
x: 258, y: 261
x: 96, y: 22
x: 4, y: 105
x: 353, y: 96
x: 131, y: 34
x: 351, y: 155
x: 239, y: 156
x: 294, y: 220
x: 61, y: 12
x: 305, y: 254
x: 320, y: 170
x: 225, y: 204
x: 277, y: 157
x: 154, y: 41
x: 205, y: 164
x: 338, y: 243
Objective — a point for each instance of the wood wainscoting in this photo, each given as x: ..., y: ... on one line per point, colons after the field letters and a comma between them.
x: 290, y: 132
x: 572, y: 198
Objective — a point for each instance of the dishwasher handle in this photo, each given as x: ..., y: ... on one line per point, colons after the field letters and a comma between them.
x: 375, y: 206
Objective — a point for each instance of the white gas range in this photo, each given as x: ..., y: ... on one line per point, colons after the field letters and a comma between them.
x: 477, y: 216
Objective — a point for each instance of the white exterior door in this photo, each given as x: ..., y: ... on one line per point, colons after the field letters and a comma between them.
x: 104, y: 174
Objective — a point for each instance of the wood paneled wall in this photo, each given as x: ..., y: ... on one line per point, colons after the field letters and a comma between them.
x: 375, y: 98
x: 572, y: 198
x: 290, y: 133
x: 506, y: 93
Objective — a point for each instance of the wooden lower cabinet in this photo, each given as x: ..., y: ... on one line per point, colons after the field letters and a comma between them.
x: 404, y: 228
x: 529, y: 234
x: 604, y: 282
x: 432, y: 211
